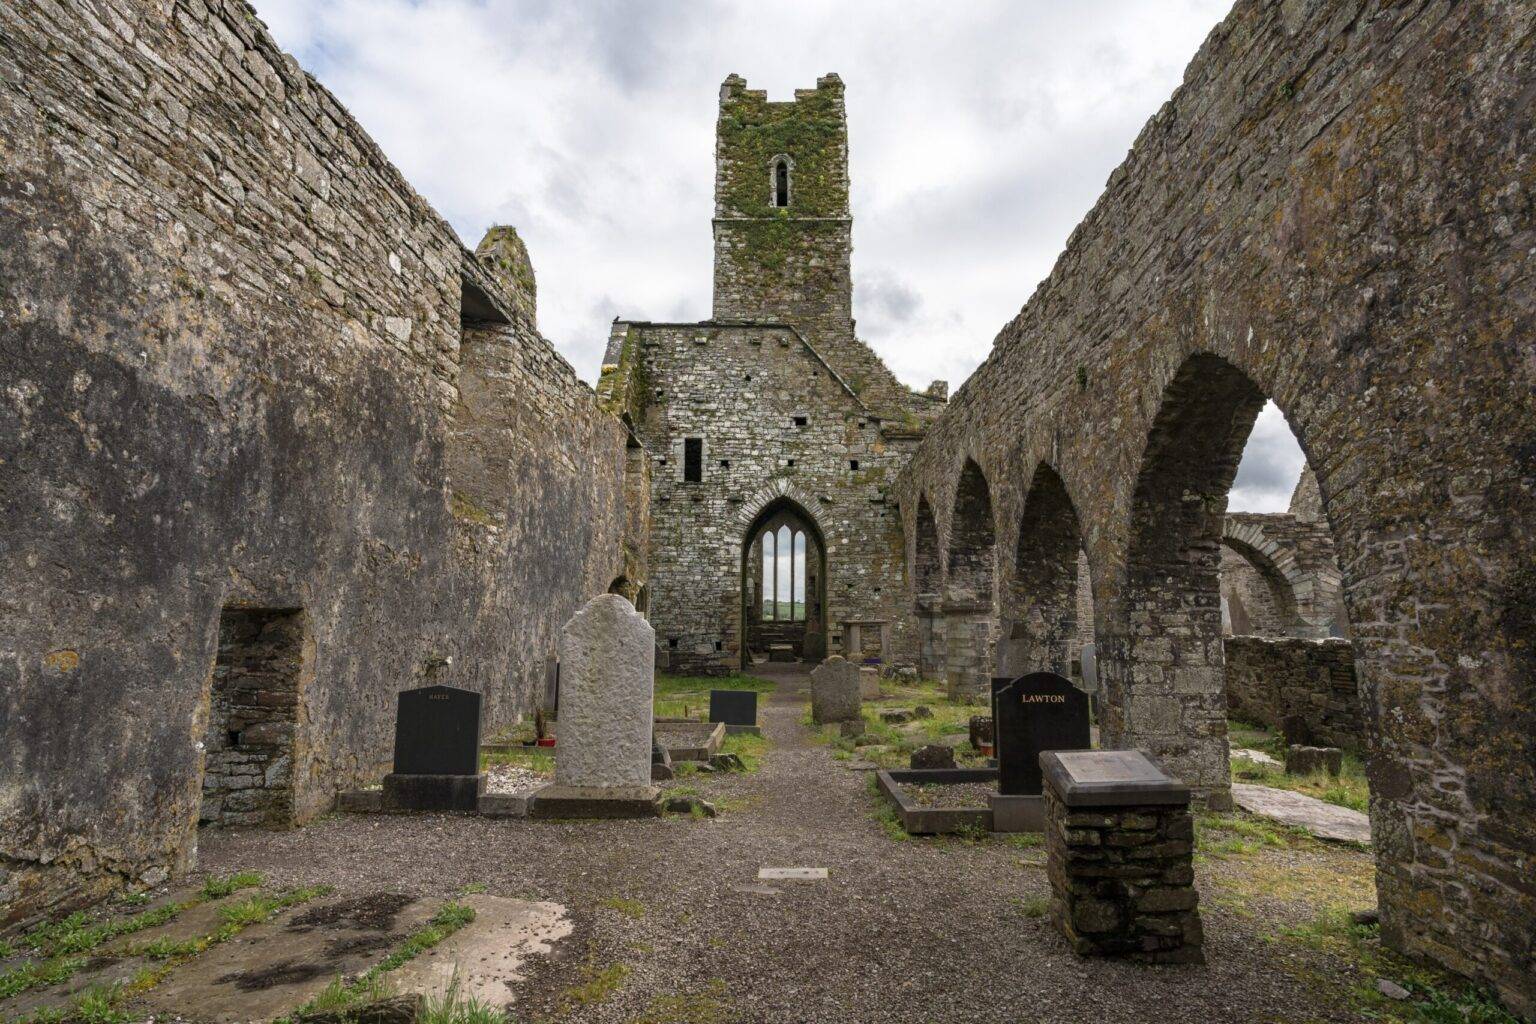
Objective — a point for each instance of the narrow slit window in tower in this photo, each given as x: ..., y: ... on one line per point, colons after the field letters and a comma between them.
x: 781, y: 183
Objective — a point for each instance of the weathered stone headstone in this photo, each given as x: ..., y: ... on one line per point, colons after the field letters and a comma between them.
x: 733, y: 707
x: 835, y: 691
x: 869, y: 682
x: 607, y: 685
x: 980, y: 731
x: 1032, y: 714
x: 437, y: 751
x: 1114, y: 815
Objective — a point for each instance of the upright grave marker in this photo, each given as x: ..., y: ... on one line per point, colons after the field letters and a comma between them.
x: 835, y: 694
x: 1032, y: 714
x: 437, y: 751
x: 736, y: 708
x: 607, y: 685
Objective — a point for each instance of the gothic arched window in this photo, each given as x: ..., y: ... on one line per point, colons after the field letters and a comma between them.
x: 781, y: 181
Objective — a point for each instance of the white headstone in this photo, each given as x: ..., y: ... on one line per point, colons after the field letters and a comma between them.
x: 607, y: 683
x: 835, y: 691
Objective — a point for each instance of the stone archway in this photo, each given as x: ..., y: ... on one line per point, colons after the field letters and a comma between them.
x: 970, y: 600
x: 928, y: 591
x: 1039, y: 622
x: 783, y: 584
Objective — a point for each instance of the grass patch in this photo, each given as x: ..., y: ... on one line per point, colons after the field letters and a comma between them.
x: 688, y: 696
x: 1033, y: 906
x: 1350, y: 789
x: 1240, y: 835
x: 1026, y: 840
x: 628, y: 907
x: 706, y: 1007
x: 747, y: 747
x: 218, y: 888
x: 884, y: 813
x: 535, y: 759
x: 596, y: 985
x: 454, y: 1007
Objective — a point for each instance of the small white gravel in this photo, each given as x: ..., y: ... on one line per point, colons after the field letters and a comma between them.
x: 507, y: 778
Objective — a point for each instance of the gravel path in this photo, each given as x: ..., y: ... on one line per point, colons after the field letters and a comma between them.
x: 918, y: 931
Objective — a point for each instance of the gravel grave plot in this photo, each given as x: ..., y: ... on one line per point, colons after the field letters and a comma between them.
x: 954, y: 794
x: 507, y: 778
x: 671, y: 921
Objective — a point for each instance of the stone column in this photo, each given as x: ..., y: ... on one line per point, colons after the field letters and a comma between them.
x: 603, y: 747
x: 968, y: 635
x: 853, y: 642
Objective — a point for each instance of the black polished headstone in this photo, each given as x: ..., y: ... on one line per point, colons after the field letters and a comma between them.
x: 733, y: 707
x: 437, y: 732
x: 1032, y: 714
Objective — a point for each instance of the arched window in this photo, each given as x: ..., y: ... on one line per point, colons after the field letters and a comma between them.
x: 781, y: 181
x: 784, y: 575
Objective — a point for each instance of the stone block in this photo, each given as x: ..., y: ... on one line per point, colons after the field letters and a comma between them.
x: 1304, y: 760
x: 432, y: 792
x: 934, y: 755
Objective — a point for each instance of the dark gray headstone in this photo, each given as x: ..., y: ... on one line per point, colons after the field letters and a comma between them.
x: 733, y: 707
x: 437, y: 732
x: 1032, y: 714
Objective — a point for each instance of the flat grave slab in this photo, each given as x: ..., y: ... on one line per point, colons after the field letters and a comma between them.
x: 488, y: 954
x: 792, y: 874
x: 1110, y: 778
x: 279, y: 965
x: 1322, y: 819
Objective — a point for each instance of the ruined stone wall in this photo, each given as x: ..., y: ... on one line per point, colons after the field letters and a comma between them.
x: 1248, y: 602
x: 230, y: 364
x: 741, y: 390
x: 1272, y: 679
x: 1333, y: 211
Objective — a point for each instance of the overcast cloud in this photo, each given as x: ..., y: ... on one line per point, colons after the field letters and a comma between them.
x: 981, y: 133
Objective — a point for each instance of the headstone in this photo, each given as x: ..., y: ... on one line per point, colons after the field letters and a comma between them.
x: 934, y: 755
x: 835, y: 691
x: 814, y: 647
x: 437, y: 731
x: 1032, y: 714
x: 437, y: 751
x: 607, y: 687
x: 733, y: 707
x: 869, y: 682
x: 980, y: 731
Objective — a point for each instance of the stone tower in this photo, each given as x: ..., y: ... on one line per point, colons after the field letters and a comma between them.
x: 782, y: 223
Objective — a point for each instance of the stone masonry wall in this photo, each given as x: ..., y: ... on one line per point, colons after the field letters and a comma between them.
x: 741, y: 389
x: 231, y: 375
x: 1272, y: 679
x: 1335, y: 211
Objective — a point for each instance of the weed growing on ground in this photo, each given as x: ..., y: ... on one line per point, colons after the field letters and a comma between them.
x: 473, y: 888
x: 706, y: 1007
x: 133, y: 899
x: 596, y: 985
x: 341, y: 995
x: 1026, y: 840
x: 453, y: 1007
x: 217, y: 888
x: 624, y: 905
x: 1033, y: 906
x: 532, y: 758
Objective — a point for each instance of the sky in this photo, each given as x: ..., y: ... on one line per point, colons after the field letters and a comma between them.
x: 980, y: 133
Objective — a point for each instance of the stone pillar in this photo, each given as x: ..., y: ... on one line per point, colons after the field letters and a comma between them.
x: 968, y: 633
x: 1119, y: 844
x: 607, y: 684
x: 853, y: 642
x: 930, y: 633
